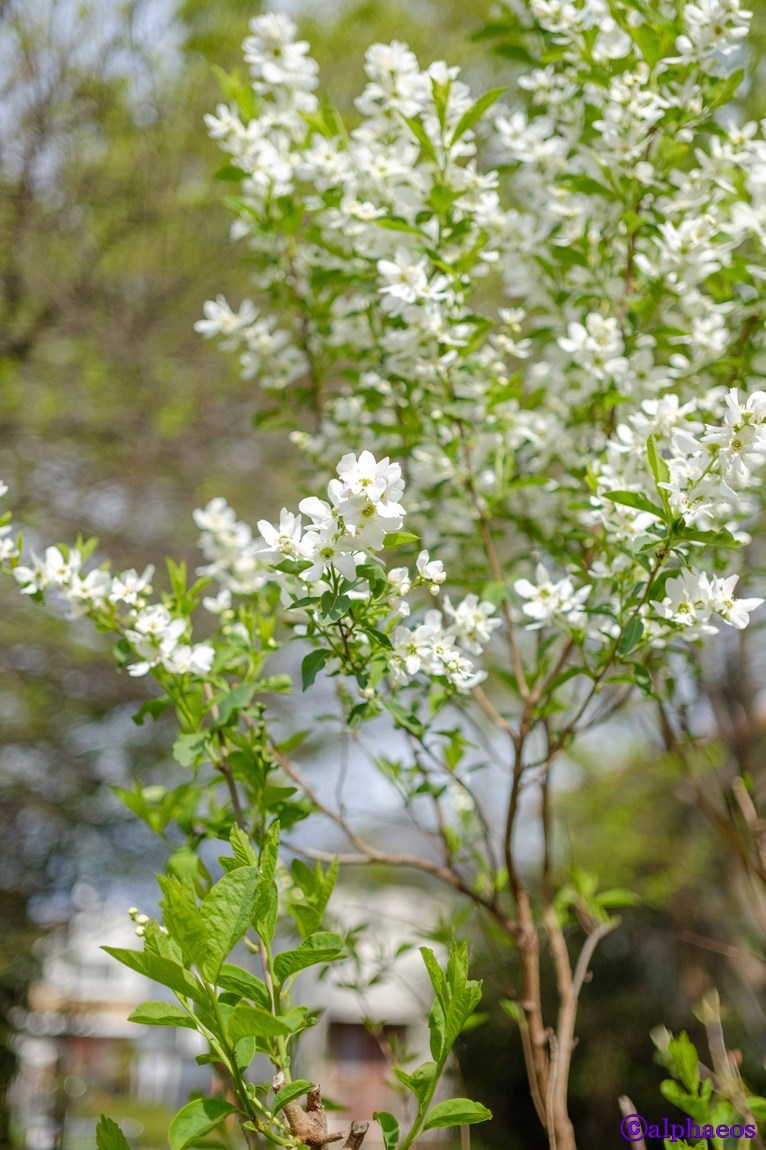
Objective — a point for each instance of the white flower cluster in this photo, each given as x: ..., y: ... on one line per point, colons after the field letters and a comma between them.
x: 711, y: 466
x: 549, y: 602
x: 267, y: 352
x: 156, y: 636
x: 602, y: 192
x: 329, y: 540
x: 8, y: 548
x: 232, y: 551
x: 691, y: 599
x: 431, y: 647
x: 362, y: 508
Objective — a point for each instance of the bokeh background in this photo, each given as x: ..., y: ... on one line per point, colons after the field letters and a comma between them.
x: 117, y: 420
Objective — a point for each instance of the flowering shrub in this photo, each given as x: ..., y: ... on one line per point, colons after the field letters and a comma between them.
x: 530, y: 326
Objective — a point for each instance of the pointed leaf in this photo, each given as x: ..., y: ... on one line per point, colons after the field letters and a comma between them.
x: 161, y: 1014
x: 320, y: 947
x: 312, y: 665
x: 109, y: 1136
x: 475, y: 112
x: 456, y: 1112
x: 390, y: 1128
x: 290, y: 1092
x: 162, y: 970
x: 245, y: 984
x: 197, y: 1119
x: 226, y: 913
x: 254, y: 1021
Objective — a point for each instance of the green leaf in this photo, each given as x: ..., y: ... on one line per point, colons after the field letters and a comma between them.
x: 153, y: 707
x: 649, y: 41
x: 397, y: 538
x: 618, y: 896
x: 161, y: 1014
x: 390, y: 1128
x: 659, y: 470
x: 267, y: 900
x: 254, y: 1021
x: 189, y: 750
x: 435, y: 973
x: 475, y: 112
x: 226, y: 914
x: 320, y: 947
x: 685, y: 1061
x: 243, y: 850
x: 456, y: 1112
x: 197, y: 1119
x: 289, y: 1092
x: 245, y: 984
x: 421, y: 1080
x: 632, y: 635
x: 462, y: 1005
x: 109, y: 1136
x: 162, y: 970
x: 420, y: 134
x: 635, y: 499
x: 312, y: 665
x: 245, y: 1051
x: 437, y: 1031
x: 232, y: 701
x: 182, y: 918
x: 231, y: 174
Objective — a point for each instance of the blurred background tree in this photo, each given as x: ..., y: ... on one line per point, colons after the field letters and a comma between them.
x: 118, y: 420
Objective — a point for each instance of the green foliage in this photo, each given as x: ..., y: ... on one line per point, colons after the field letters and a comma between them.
x: 109, y: 1136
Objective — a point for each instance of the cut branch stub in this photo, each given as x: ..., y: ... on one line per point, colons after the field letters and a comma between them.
x: 356, y: 1135
x: 310, y: 1125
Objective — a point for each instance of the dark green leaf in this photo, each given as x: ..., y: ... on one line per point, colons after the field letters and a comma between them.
x: 312, y: 665
x: 631, y: 636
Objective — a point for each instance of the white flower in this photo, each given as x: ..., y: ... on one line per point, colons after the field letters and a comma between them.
x: 687, y: 600
x: 217, y: 604
x: 189, y: 660
x: 380, y: 481
x: 326, y: 549
x: 546, y: 599
x: 405, y: 279
x: 221, y: 320
x: 276, y: 59
x: 431, y: 571
x: 130, y: 588
x: 735, y: 612
x: 472, y: 623
x: 282, y: 540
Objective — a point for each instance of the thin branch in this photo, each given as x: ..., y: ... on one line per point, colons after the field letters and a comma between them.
x: 370, y: 854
